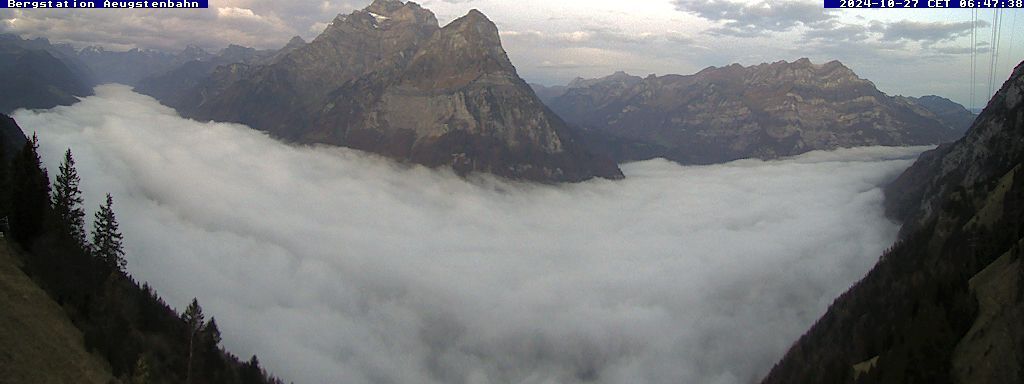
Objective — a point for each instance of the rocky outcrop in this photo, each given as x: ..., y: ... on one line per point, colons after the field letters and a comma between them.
x: 946, y: 303
x: 763, y: 111
x: 389, y: 80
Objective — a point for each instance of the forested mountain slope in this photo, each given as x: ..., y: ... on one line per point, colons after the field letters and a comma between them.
x: 946, y: 303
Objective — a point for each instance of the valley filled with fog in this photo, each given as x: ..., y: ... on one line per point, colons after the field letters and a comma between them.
x: 338, y: 266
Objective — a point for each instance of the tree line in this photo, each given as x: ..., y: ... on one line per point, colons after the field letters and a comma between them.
x: 143, y: 339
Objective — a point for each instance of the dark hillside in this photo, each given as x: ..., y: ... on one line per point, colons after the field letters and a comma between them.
x: 946, y: 303
x: 125, y: 323
x: 38, y: 343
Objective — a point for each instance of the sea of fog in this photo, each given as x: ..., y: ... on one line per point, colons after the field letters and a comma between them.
x: 335, y: 266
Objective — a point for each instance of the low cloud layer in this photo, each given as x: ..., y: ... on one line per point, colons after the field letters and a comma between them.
x: 337, y: 266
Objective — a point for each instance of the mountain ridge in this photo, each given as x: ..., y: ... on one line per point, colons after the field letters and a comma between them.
x: 727, y: 113
x: 389, y: 79
x: 39, y: 75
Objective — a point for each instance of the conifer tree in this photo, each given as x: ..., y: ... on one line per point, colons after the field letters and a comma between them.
x: 193, y: 317
x: 67, y: 201
x: 211, y: 334
x: 30, y: 193
x: 107, y: 244
x: 251, y: 372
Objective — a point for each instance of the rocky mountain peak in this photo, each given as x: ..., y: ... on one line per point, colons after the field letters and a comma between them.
x: 294, y: 43
x: 577, y: 82
x: 725, y: 113
x: 387, y: 79
x: 388, y: 13
x: 234, y: 49
x: 830, y: 75
x: 193, y: 52
x: 386, y: 7
x: 92, y: 49
x: 475, y: 26
x: 466, y: 50
x: 619, y: 79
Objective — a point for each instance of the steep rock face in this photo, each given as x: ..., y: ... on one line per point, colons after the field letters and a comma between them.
x: 990, y: 150
x: 286, y: 96
x: 763, y: 111
x: 388, y: 79
x: 946, y: 303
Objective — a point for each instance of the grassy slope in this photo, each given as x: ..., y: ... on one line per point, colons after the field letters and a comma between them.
x: 38, y: 343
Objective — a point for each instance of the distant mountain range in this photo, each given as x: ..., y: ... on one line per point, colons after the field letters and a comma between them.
x: 389, y: 80
x: 40, y: 74
x: 177, y: 82
x: 763, y: 111
x: 36, y: 74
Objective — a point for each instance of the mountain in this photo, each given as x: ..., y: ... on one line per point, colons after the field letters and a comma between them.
x: 35, y: 74
x: 295, y: 43
x: 546, y: 94
x: 955, y: 116
x: 946, y: 303
x: 127, y: 67
x: 137, y: 67
x: 176, y: 83
x: 723, y: 114
x: 388, y: 79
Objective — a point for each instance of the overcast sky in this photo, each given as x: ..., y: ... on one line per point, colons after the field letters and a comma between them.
x: 909, y: 52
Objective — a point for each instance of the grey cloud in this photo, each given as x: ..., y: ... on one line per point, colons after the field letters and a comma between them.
x: 960, y: 50
x: 337, y: 266
x: 835, y: 31
x: 261, y: 24
x: 595, y: 37
x: 926, y: 32
x: 743, y: 19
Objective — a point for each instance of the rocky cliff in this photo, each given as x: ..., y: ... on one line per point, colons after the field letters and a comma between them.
x: 763, y: 111
x: 388, y: 79
x: 946, y: 303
